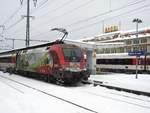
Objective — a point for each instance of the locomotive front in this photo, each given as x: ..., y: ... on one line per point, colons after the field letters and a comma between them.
x: 69, y: 66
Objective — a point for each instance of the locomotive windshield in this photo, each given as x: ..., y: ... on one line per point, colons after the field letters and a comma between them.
x: 72, y: 54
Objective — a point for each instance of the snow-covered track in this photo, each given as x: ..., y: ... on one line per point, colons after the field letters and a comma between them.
x: 120, y: 100
x: 46, y: 93
x: 126, y: 90
x: 11, y: 86
x: 100, y: 83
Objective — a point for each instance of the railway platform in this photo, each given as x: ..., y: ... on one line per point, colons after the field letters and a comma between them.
x: 124, y: 81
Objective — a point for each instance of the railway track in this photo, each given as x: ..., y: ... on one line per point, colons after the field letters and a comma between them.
x: 90, y: 92
x: 121, y: 100
x: 44, y: 92
x: 125, y: 98
x: 16, y: 89
x: 123, y: 95
x: 100, y: 83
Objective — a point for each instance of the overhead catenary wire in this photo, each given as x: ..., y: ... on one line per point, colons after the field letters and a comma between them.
x: 80, y: 21
x: 93, y: 17
x: 36, y: 9
x: 90, y: 18
x: 57, y: 8
x: 70, y: 11
x: 98, y: 15
x: 12, y: 16
x: 104, y: 13
x: 14, y: 24
x: 53, y: 10
x: 127, y: 12
x: 92, y: 24
x: 41, y: 4
x: 101, y: 14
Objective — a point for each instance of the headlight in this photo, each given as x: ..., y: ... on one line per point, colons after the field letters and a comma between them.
x: 84, y: 69
x: 67, y: 69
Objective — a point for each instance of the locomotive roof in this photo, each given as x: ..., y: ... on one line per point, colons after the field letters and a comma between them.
x: 33, y: 47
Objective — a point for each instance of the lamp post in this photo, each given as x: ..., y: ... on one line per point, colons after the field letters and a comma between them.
x: 137, y: 21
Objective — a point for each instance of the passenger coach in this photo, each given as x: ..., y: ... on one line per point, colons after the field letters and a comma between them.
x: 122, y: 62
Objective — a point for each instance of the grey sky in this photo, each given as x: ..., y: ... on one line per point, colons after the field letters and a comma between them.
x: 82, y: 18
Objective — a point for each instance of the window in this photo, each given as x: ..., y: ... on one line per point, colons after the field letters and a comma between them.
x: 72, y: 54
x: 114, y: 61
x: 113, y: 50
x: 136, y: 41
x: 143, y: 48
x: 128, y: 49
x: 135, y: 48
x: 128, y: 42
x: 107, y: 50
x: 121, y: 49
x: 144, y: 40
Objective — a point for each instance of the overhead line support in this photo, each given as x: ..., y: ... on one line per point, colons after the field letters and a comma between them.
x: 28, y: 21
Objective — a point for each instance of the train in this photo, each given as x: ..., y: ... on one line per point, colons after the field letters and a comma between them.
x: 122, y: 62
x: 55, y: 62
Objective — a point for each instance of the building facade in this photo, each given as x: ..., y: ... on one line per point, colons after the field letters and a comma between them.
x: 131, y: 43
x: 116, y: 58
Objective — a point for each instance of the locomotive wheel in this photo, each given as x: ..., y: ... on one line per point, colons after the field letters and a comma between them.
x: 59, y: 81
x: 45, y: 78
x: 51, y: 79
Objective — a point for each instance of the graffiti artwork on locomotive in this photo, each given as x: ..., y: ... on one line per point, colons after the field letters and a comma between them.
x: 56, y: 62
x: 122, y: 62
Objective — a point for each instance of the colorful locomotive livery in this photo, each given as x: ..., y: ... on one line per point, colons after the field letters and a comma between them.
x: 56, y: 61
x: 33, y: 60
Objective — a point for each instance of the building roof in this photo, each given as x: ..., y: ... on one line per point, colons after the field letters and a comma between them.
x: 118, y: 36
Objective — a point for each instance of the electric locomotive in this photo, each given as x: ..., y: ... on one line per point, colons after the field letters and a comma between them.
x: 55, y: 61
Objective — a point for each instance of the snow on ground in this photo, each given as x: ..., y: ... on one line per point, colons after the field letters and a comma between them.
x: 29, y: 101
x: 125, y: 80
x: 19, y: 99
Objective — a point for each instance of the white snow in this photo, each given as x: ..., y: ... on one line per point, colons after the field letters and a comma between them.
x: 142, y: 83
x: 15, y: 98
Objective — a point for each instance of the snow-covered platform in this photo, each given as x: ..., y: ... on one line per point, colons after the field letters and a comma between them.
x: 127, y: 81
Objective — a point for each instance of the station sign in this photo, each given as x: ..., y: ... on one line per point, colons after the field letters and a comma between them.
x: 137, y: 53
x: 111, y: 29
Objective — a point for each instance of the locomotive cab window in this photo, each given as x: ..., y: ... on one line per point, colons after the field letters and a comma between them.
x: 72, y: 54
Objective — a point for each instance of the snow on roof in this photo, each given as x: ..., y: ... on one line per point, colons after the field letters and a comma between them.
x: 119, y: 35
x: 134, y: 30
x: 121, y: 38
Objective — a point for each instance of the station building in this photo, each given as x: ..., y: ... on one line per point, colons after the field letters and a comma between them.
x: 131, y: 43
x: 128, y: 38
